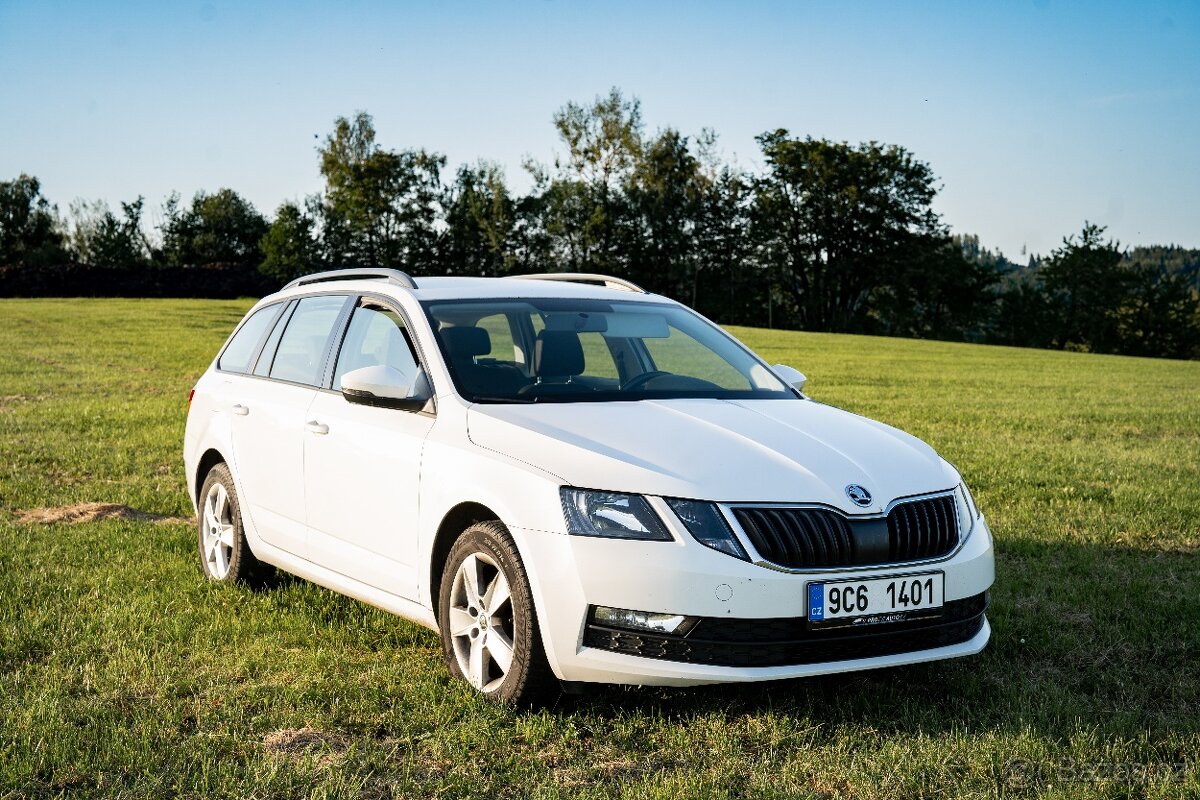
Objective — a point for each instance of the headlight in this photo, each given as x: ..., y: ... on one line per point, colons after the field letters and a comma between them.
x: 611, y: 515
x: 707, y: 526
x: 967, y: 511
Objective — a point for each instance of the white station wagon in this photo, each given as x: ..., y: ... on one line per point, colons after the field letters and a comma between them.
x: 575, y: 481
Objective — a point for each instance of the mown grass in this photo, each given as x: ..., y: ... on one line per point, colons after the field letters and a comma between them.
x: 122, y: 673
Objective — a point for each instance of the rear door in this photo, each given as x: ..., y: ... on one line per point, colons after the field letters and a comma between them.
x: 269, y: 408
x: 363, y: 463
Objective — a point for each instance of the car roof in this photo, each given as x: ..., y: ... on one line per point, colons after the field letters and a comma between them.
x: 471, y: 288
x: 463, y: 288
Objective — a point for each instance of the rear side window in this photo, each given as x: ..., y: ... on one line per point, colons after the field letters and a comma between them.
x: 244, y: 344
x: 301, y: 350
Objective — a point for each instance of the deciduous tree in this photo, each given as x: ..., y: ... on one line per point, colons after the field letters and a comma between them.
x: 289, y: 247
x: 30, y: 233
x: 833, y: 221
x: 480, y: 221
x: 102, y: 239
x: 216, y: 228
x: 582, y: 205
x: 380, y: 207
x: 665, y: 189
x: 1161, y: 316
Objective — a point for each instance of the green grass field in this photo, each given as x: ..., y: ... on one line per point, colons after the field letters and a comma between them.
x: 123, y: 674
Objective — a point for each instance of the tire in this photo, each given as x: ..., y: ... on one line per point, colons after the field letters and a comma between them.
x: 225, y: 555
x: 496, y: 649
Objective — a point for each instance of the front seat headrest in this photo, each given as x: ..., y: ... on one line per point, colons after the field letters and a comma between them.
x: 466, y: 341
x: 558, y: 354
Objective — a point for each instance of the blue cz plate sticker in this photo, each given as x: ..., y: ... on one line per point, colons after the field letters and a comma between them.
x: 816, y: 602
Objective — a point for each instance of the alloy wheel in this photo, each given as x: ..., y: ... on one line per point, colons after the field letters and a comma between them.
x: 219, y: 531
x: 481, y: 622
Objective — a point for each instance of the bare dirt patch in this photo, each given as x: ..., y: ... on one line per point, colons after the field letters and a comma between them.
x: 8, y: 402
x: 299, y: 743
x: 81, y: 513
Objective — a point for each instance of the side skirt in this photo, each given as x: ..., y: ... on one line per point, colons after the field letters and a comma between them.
x: 322, y: 576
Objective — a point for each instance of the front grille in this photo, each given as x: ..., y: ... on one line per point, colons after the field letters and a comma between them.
x: 800, y: 538
x: 922, y: 529
x: 784, y: 641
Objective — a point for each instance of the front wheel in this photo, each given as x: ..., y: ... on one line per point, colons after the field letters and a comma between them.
x: 485, y: 612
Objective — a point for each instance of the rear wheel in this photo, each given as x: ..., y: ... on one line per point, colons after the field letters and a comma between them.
x: 485, y: 612
x: 224, y: 554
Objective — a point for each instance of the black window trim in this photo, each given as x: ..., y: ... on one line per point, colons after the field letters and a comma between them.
x: 333, y: 344
x: 254, y: 355
x: 294, y: 303
x: 281, y: 325
x: 339, y: 331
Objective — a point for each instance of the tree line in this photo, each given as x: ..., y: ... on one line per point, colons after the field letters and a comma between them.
x: 827, y: 236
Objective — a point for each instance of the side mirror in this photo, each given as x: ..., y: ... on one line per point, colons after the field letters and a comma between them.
x: 386, y: 387
x: 791, y: 375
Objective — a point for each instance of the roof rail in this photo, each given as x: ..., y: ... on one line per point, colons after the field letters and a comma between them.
x: 608, y: 281
x: 393, y: 276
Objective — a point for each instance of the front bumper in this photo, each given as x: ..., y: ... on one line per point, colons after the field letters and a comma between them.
x: 754, y: 616
x: 787, y: 641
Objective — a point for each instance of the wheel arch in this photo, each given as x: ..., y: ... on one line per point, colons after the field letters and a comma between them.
x: 454, y: 522
x: 210, y: 459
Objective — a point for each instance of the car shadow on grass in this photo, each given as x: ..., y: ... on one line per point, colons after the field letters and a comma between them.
x: 1107, y: 634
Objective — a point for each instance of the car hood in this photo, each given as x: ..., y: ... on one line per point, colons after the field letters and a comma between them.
x: 778, y: 451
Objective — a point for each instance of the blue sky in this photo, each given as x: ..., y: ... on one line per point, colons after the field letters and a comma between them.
x: 1034, y: 115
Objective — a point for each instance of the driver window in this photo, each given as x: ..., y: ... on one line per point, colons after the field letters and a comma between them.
x: 375, y: 337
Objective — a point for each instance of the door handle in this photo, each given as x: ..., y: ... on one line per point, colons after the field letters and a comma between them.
x: 319, y: 428
x: 240, y: 410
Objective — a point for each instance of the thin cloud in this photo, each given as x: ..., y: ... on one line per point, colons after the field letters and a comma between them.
x: 1138, y: 97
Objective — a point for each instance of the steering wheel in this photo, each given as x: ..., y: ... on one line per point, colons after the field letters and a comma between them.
x: 638, y: 380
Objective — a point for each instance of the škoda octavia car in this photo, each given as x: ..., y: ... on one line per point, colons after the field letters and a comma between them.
x: 573, y: 480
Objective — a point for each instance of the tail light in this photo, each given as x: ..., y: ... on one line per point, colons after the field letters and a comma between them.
x: 191, y: 394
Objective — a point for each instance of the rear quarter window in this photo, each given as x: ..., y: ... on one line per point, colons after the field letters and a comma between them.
x: 237, y: 355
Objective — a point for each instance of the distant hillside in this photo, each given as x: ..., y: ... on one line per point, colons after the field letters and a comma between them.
x: 1172, y: 258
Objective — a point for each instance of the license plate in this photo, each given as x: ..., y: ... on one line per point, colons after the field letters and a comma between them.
x: 877, y: 600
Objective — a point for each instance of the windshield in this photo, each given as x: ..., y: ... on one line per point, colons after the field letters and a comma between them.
x: 571, y: 350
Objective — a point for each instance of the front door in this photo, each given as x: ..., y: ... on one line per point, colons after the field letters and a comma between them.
x: 363, y: 464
